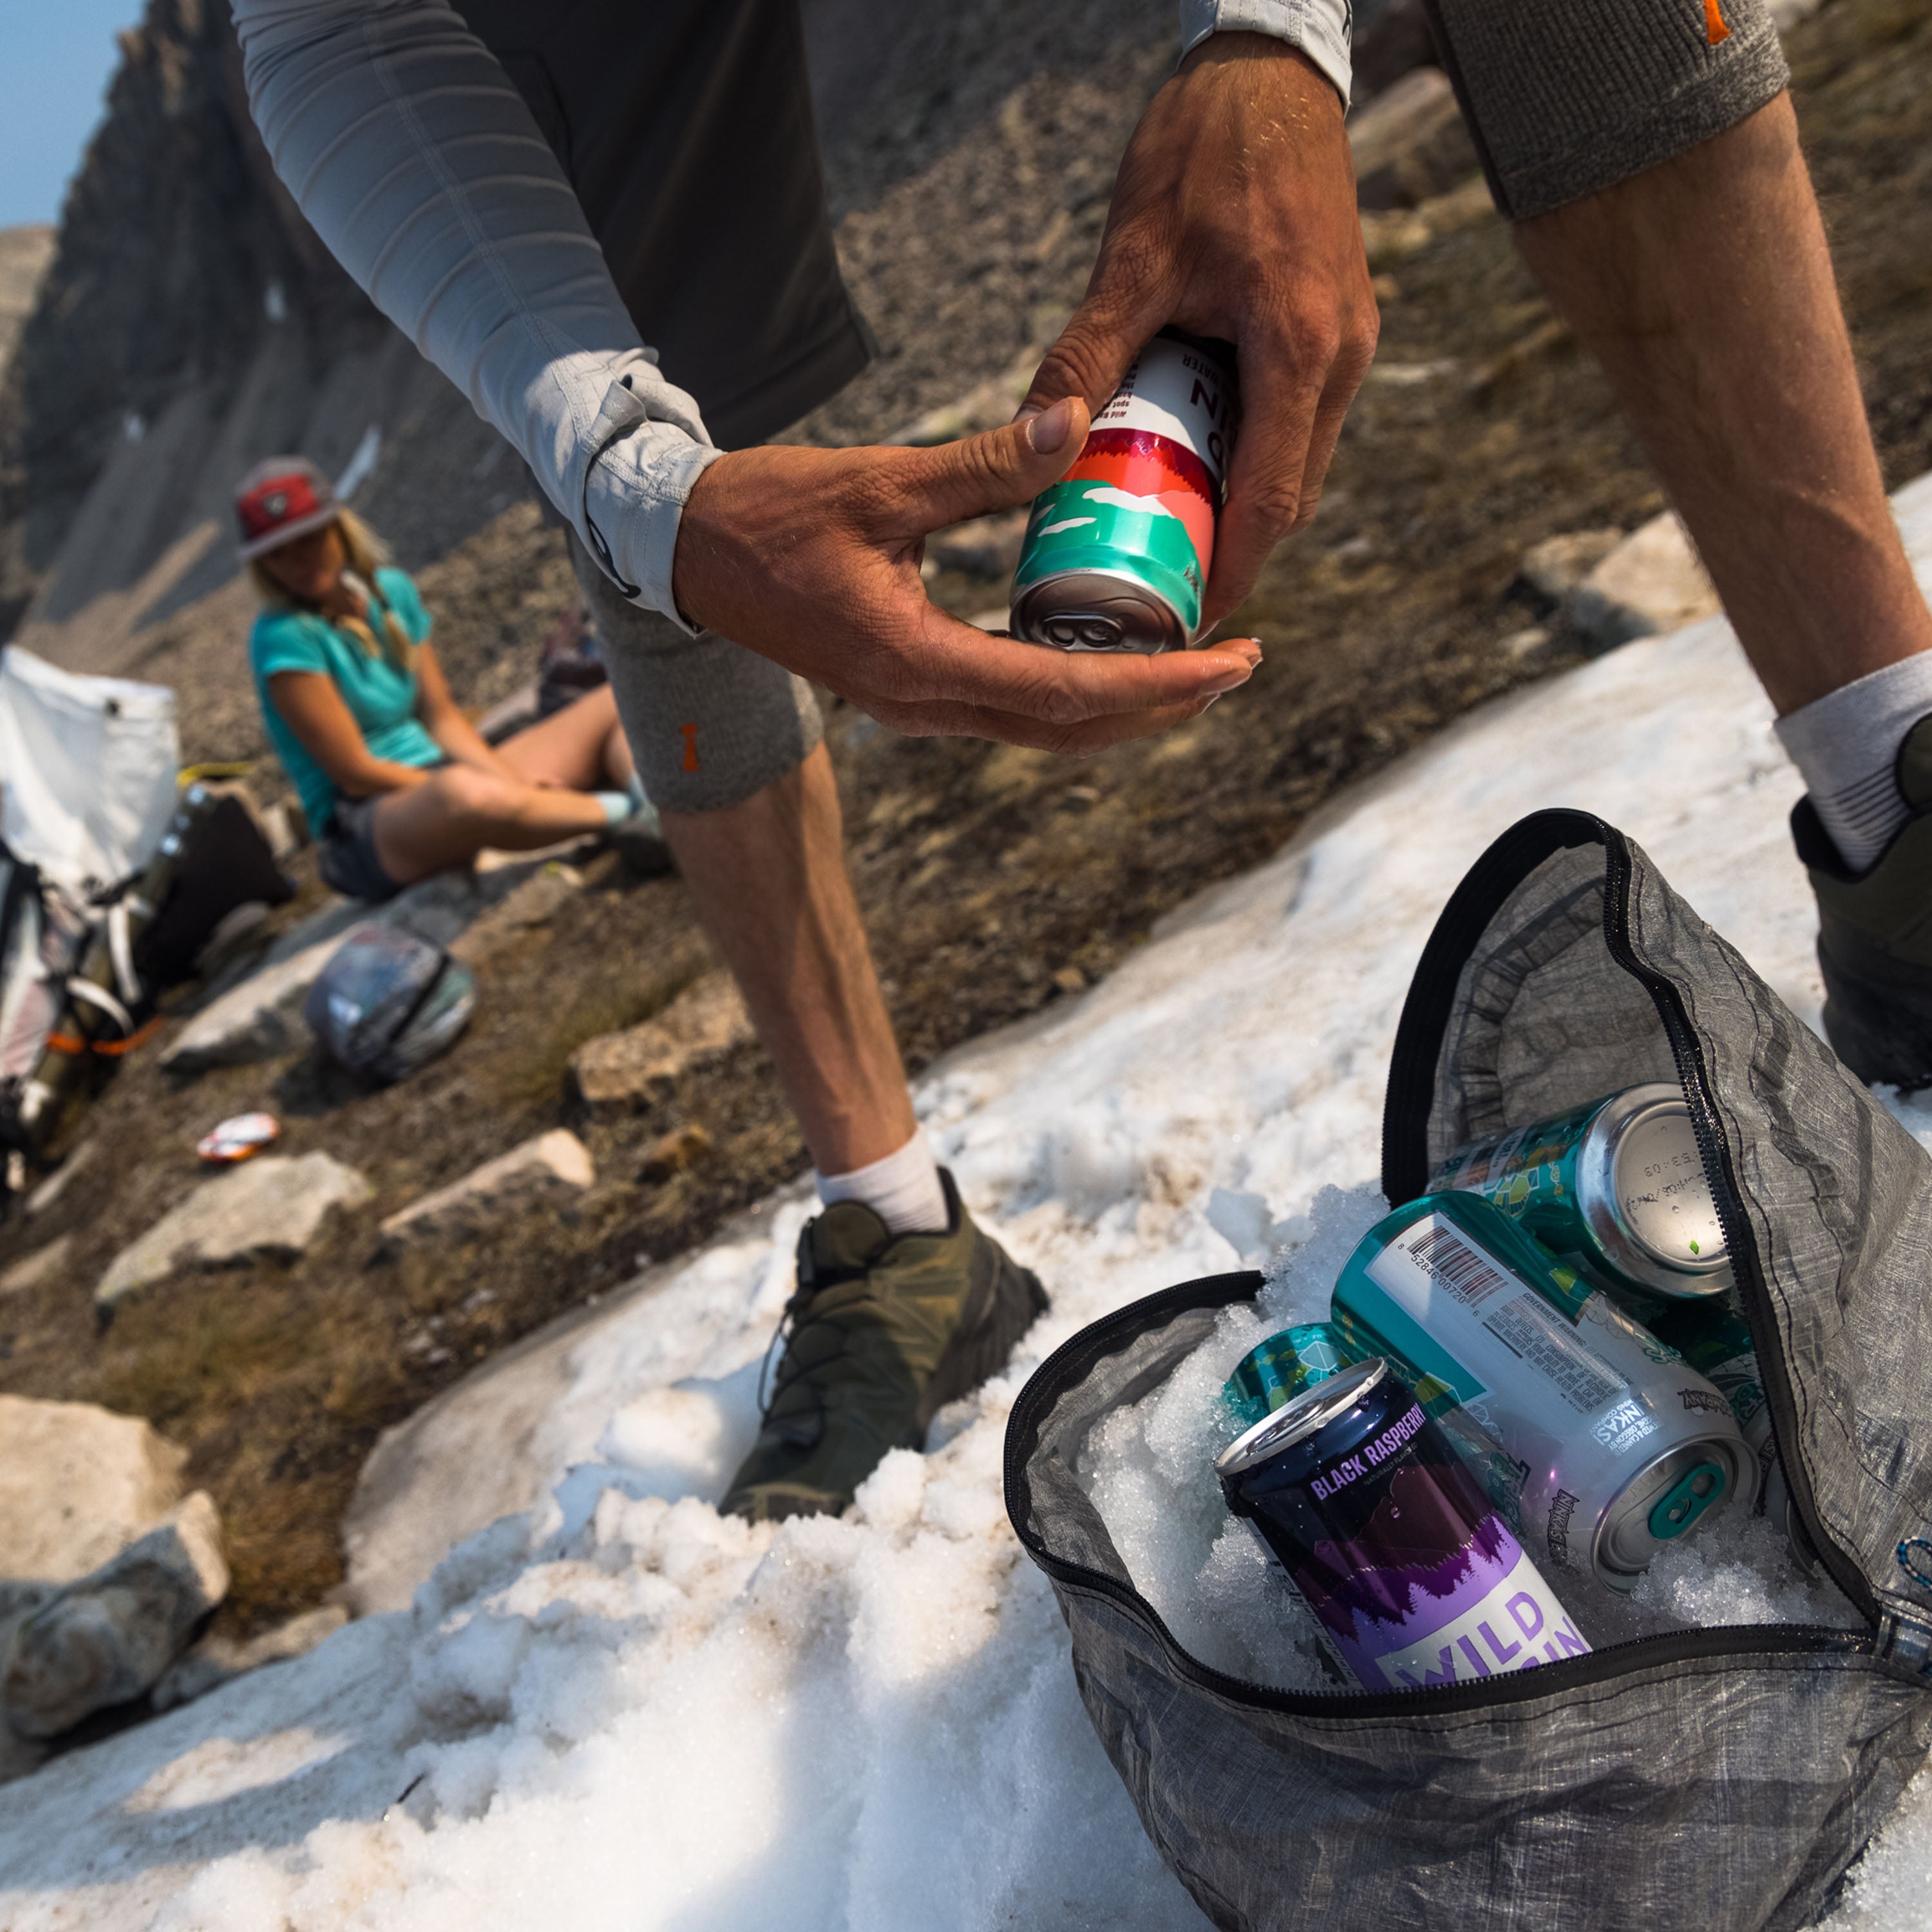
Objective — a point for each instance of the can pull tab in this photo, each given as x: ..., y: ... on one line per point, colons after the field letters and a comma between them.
x: 1684, y: 1502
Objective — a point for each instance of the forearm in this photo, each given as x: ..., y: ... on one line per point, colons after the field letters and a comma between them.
x: 370, y: 778
x: 414, y: 157
x: 455, y: 735
x: 1319, y: 27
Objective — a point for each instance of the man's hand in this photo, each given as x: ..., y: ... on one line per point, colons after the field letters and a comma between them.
x: 810, y: 557
x: 1234, y: 215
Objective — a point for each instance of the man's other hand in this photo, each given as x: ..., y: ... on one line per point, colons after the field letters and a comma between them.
x: 810, y: 557
x: 1234, y: 216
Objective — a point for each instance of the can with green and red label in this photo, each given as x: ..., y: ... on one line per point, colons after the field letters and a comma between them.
x: 1118, y: 551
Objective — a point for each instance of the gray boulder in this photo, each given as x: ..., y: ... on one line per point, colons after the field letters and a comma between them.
x: 1651, y: 582
x: 1409, y: 142
x: 275, y: 1204
x: 550, y: 1168
x: 633, y: 1071
x: 108, y: 1637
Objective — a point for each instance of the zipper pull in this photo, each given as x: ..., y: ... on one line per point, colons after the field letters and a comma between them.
x: 1904, y: 1645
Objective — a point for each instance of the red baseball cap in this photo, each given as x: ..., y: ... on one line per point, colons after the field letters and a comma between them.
x: 279, y: 500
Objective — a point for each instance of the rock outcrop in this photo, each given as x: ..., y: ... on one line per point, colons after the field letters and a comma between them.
x: 632, y: 1071
x: 275, y: 1204
x: 551, y: 1168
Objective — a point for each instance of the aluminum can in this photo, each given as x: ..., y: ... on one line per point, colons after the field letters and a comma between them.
x: 1624, y: 1446
x: 1117, y: 552
x: 1272, y: 1374
x: 1616, y: 1189
x: 1414, y: 1580
x: 1715, y: 1342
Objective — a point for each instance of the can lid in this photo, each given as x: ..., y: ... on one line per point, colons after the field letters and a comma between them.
x: 1300, y: 1417
x: 1694, y: 1479
x: 1650, y: 1186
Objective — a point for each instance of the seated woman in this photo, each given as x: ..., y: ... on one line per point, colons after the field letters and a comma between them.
x: 395, y: 782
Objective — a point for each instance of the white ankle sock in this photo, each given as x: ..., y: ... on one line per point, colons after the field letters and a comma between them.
x: 1845, y: 744
x: 903, y: 1190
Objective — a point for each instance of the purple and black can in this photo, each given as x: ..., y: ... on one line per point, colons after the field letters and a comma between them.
x: 1414, y: 1579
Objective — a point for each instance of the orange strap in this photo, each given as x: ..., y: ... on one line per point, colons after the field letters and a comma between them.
x: 112, y: 1049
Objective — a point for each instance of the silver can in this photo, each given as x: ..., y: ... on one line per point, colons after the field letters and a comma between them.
x: 1615, y: 1188
x: 1623, y: 1447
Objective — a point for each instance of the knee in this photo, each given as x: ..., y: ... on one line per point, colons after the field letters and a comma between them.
x: 474, y: 798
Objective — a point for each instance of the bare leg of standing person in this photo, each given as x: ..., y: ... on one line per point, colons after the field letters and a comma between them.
x: 1704, y: 286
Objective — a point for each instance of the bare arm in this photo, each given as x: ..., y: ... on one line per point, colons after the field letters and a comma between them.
x: 442, y: 718
x: 312, y: 708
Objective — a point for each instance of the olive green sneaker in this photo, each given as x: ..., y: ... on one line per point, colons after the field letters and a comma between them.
x: 884, y: 1331
x: 1875, y: 932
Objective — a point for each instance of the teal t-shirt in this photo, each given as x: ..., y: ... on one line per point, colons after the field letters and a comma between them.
x: 381, y: 698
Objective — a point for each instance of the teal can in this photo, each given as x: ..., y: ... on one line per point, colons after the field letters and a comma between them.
x: 1615, y: 1189
x: 1271, y: 1376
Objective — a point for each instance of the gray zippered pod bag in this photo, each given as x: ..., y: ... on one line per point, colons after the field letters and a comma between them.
x: 1713, y: 1778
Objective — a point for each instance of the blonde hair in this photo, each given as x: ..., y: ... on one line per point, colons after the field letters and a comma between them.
x: 367, y: 554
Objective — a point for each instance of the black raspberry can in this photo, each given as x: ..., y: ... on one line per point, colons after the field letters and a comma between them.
x: 1414, y: 1578
x: 1118, y: 551
x: 1615, y: 1188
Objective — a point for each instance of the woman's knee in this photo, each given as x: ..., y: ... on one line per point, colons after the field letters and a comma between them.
x: 476, y: 799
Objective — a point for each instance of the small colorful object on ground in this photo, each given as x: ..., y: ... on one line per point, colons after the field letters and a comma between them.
x: 1623, y: 1446
x: 1414, y: 1579
x: 1616, y: 1189
x: 239, y: 1138
x: 1118, y: 551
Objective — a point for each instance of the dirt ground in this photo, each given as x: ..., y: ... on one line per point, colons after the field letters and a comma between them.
x: 994, y: 880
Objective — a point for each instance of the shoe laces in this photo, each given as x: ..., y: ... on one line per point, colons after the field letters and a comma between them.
x: 783, y: 1368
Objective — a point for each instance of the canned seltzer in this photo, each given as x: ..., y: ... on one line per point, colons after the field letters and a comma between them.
x: 1624, y: 1446
x: 1118, y: 551
x: 1414, y: 1579
x: 1615, y: 1189
x: 1272, y: 1374
x: 1715, y: 1342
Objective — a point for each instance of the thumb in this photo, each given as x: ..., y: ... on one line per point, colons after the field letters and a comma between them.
x: 994, y: 471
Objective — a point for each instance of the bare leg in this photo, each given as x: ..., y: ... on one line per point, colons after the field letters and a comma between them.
x: 769, y: 877
x: 456, y: 812
x: 1705, y: 288
x: 582, y: 746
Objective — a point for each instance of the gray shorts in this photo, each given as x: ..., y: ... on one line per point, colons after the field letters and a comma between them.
x: 1565, y: 98
x: 345, y: 855
x: 710, y: 722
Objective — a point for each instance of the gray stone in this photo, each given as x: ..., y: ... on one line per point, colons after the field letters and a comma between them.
x: 108, y: 1637
x: 988, y: 547
x: 1651, y: 582
x: 633, y: 1071
x: 1552, y: 569
x: 216, y: 1659
x: 77, y: 1484
x: 551, y: 1168
x: 275, y: 1204
x: 260, y: 1017
x: 63, y: 1177
x: 34, y: 1270
x: 1409, y: 142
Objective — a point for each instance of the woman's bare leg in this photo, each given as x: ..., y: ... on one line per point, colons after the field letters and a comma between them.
x: 582, y: 746
x: 455, y: 812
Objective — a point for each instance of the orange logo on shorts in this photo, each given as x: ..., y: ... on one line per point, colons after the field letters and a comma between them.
x: 691, y: 730
x: 1715, y: 31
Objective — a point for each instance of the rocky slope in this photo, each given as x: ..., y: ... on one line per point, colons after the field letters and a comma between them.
x: 25, y: 253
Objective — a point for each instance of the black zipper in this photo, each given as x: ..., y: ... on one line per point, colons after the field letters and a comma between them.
x: 1074, y: 1359
x: 1418, y: 1040
x: 1727, y: 1197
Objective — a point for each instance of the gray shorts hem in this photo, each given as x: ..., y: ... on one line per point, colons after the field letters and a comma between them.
x: 709, y: 723
x: 1564, y: 103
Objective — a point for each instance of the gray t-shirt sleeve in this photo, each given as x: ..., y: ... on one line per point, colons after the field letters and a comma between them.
x: 1319, y: 27
x: 415, y: 160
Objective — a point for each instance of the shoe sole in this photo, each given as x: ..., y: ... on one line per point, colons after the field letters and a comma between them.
x: 982, y: 1347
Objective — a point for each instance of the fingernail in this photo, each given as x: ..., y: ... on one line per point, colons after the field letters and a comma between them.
x: 1230, y: 680
x: 1047, y: 432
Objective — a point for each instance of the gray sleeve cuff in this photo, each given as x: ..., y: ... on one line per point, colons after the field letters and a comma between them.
x: 1319, y: 27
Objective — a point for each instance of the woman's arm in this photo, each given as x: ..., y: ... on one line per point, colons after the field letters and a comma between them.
x: 312, y: 708
x: 442, y: 718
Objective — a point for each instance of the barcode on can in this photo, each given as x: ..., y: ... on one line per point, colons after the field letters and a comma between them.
x: 1549, y: 1344
x: 1465, y: 1272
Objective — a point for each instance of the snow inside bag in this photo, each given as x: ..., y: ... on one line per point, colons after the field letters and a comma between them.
x: 1701, y: 1773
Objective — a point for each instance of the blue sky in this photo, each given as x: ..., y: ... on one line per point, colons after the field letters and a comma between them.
x: 58, y: 56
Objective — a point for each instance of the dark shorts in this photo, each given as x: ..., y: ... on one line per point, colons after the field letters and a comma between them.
x: 346, y: 854
x: 1564, y: 100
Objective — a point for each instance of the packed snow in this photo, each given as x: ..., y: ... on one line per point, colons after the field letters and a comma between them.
x: 619, y: 1710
